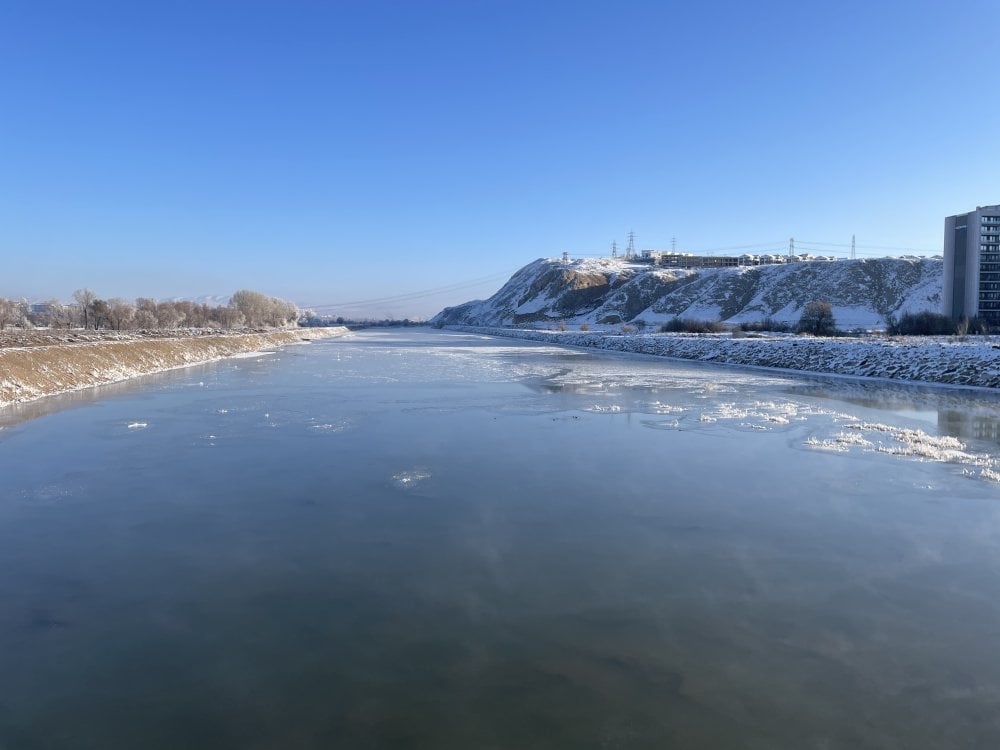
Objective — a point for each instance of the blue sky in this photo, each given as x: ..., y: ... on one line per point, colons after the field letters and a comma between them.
x: 344, y: 152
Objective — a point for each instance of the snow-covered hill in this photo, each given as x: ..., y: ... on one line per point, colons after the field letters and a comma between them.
x: 604, y: 291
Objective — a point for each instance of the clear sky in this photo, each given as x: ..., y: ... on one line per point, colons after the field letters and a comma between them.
x: 346, y: 151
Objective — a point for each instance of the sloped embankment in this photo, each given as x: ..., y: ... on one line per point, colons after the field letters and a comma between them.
x: 974, y: 362
x: 31, y: 372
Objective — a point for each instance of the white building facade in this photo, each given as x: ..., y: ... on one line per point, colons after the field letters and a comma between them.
x: 972, y: 265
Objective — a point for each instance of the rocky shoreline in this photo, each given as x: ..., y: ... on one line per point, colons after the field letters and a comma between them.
x: 974, y: 362
x: 36, y: 365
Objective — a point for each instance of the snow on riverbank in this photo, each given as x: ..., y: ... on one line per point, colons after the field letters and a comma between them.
x: 974, y: 362
x: 31, y: 372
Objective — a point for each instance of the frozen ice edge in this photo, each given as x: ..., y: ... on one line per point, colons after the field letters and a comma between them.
x: 910, y: 443
x: 978, y: 359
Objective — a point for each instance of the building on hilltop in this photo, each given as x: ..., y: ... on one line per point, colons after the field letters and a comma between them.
x: 972, y: 265
x: 688, y: 260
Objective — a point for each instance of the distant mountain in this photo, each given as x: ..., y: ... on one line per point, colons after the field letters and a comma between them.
x: 605, y: 291
x: 212, y: 300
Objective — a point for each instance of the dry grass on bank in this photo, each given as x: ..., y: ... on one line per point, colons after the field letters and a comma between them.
x: 41, y: 363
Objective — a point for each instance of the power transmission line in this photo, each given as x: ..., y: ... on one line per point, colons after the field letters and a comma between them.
x: 875, y: 247
x: 746, y: 246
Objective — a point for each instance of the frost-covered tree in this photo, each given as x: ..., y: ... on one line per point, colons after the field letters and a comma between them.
x: 145, y: 320
x: 14, y: 313
x: 168, y: 316
x: 8, y: 312
x: 260, y: 310
x: 252, y: 304
x: 120, y: 314
x: 57, y: 314
x: 229, y: 317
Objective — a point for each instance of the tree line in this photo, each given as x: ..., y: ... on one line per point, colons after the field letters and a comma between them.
x: 246, y: 309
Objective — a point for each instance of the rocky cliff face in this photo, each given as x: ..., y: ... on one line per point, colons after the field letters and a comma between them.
x: 862, y: 292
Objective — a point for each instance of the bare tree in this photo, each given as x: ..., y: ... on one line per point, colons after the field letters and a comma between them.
x: 229, y: 317
x: 145, y: 320
x: 246, y: 308
x: 168, y: 315
x: 85, y: 299
x: 100, y: 313
x: 199, y: 315
x: 145, y: 313
x: 817, y: 319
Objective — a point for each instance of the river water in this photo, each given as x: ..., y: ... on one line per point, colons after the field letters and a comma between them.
x: 423, y: 539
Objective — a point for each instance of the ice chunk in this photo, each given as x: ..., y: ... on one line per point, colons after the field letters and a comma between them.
x: 409, y: 479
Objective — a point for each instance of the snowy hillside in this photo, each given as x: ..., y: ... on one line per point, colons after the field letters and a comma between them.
x: 604, y: 291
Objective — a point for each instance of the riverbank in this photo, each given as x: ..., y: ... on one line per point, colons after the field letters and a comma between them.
x: 35, y: 364
x: 974, y: 362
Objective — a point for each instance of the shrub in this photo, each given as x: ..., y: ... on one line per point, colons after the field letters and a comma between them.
x: 584, y: 327
x: 925, y: 323
x: 690, y: 325
x: 767, y: 324
x: 977, y: 326
x: 817, y: 319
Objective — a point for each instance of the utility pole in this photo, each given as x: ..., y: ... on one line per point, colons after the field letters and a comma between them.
x: 853, y: 253
x: 614, y: 248
x: 565, y: 256
x: 630, y: 252
x: 791, y: 247
x: 673, y: 245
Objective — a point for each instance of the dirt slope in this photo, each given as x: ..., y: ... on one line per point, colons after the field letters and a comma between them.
x: 36, y: 365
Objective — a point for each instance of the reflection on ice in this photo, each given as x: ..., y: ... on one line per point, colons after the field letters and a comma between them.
x: 875, y: 437
x: 690, y: 395
x: 667, y: 424
x: 964, y: 414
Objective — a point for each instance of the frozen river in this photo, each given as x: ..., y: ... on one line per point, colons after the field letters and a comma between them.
x: 422, y: 539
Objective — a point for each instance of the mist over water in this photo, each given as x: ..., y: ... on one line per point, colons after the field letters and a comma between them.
x: 427, y: 539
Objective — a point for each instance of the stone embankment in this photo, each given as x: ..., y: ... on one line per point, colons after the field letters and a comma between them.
x: 974, y: 362
x: 33, y: 365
